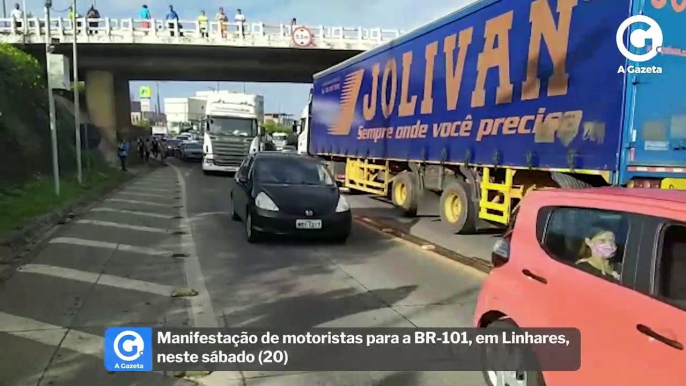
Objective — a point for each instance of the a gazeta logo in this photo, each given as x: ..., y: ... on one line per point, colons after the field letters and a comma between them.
x: 639, y: 38
x: 129, y: 345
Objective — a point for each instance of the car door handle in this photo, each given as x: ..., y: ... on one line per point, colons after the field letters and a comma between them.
x: 651, y: 333
x: 532, y: 275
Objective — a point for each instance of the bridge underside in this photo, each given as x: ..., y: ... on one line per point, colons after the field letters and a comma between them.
x: 107, y: 69
x: 203, y: 63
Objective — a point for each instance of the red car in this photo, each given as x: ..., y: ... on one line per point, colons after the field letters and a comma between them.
x: 610, y: 262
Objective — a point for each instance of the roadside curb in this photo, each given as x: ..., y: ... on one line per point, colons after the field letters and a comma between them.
x: 393, y: 230
x: 15, y: 248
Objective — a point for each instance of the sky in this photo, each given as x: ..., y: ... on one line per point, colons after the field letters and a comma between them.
x: 404, y: 15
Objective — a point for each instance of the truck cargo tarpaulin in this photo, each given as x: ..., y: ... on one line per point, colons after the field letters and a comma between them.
x: 508, y: 83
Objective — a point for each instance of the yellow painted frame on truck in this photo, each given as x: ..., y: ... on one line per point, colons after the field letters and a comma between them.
x: 362, y: 175
x: 496, y: 201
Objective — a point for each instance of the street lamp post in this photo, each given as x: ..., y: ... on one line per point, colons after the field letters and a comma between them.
x: 51, y: 100
x: 77, y: 99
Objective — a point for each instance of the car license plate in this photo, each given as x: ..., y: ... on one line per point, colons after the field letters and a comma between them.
x: 308, y: 224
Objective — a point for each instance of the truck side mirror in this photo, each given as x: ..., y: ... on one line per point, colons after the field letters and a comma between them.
x: 296, y: 128
x: 260, y: 130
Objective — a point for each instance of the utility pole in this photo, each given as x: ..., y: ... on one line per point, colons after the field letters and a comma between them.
x: 51, y: 100
x: 23, y: 12
x: 4, y: 9
x: 77, y: 99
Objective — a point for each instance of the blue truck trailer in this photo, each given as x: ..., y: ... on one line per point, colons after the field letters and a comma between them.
x: 504, y: 96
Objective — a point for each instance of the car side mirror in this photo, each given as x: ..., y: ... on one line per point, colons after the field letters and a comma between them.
x: 501, y: 252
x: 242, y: 179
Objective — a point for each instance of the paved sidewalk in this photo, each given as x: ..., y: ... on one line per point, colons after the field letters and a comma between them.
x: 114, y: 265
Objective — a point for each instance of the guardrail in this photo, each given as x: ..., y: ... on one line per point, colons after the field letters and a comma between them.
x: 128, y: 31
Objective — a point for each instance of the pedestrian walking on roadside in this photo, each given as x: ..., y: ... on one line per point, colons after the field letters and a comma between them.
x: 92, y: 16
x: 223, y: 21
x: 163, y: 151
x: 144, y: 14
x: 18, y: 16
x: 147, y: 149
x: 172, y: 20
x: 123, y: 153
x: 155, y: 147
x: 240, y: 20
x: 202, y: 25
x: 141, y: 148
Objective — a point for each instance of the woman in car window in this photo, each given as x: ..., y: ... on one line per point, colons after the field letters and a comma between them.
x: 596, y: 252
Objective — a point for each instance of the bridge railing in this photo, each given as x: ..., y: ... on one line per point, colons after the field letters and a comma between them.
x: 156, y: 31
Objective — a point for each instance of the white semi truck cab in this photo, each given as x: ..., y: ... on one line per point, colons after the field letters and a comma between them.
x: 303, y: 127
x: 232, y: 129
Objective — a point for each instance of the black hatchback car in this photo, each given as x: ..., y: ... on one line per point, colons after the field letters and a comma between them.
x: 289, y: 194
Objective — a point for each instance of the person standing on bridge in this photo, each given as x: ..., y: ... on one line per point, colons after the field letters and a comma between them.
x: 73, y: 15
x: 144, y: 14
x: 223, y: 21
x: 240, y: 20
x: 93, y: 14
x: 172, y: 19
x: 202, y: 25
x: 18, y: 16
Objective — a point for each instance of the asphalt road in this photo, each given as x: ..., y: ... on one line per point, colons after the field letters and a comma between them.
x: 113, y: 266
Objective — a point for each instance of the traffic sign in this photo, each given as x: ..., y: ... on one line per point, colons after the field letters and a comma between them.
x: 302, y: 37
x: 145, y: 92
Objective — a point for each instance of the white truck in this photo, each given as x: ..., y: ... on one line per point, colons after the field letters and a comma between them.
x: 280, y: 140
x: 231, y: 130
x: 302, y: 128
x: 160, y: 131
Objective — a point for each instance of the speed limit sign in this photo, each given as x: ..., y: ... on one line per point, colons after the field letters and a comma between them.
x: 302, y: 37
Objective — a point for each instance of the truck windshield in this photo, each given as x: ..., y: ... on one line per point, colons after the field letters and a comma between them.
x: 231, y: 126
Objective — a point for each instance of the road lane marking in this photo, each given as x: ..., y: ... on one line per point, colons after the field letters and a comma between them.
x: 202, y: 310
x: 52, y: 335
x: 137, y: 202
x: 132, y: 212
x: 207, y: 214
x: 98, y: 278
x: 145, y: 194
x: 149, y: 185
x: 148, y: 190
x: 106, y: 245
x: 122, y: 226
x: 433, y: 254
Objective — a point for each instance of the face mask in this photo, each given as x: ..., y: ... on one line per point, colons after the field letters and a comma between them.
x: 604, y: 250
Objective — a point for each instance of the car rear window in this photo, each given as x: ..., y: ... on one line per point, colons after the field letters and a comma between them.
x: 292, y: 170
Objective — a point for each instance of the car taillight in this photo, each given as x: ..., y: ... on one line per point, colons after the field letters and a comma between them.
x: 649, y: 183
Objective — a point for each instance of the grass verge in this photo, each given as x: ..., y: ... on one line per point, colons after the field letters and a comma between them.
x: 35, y: 198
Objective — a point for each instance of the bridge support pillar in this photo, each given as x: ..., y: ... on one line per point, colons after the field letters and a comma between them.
x: 109, y: 108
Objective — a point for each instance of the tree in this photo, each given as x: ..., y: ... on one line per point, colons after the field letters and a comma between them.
x: 273, y: 127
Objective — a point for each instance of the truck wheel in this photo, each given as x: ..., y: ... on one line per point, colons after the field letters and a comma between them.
x: 456, y: 208
x: 504, y: 353
x: 404, y: 193
x: 569, y: 182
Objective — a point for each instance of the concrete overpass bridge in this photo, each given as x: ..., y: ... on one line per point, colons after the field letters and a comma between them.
x: 113, y: 52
